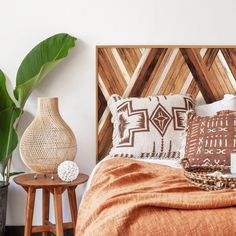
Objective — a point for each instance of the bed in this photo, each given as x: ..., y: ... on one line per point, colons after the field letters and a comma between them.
x: 138, y: 186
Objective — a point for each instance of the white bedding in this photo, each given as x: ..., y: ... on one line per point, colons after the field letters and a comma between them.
x: 171, y: 163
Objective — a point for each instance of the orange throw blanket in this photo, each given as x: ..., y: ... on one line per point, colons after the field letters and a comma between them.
x: 129, y: 197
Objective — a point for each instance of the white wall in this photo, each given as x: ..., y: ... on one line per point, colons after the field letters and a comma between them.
x: 24, y: 23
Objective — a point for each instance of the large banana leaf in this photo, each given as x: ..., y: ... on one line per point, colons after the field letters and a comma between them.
x: 8, y: 135
x: 5, y: 99
x: 41, y: 60
x: 8, y: 115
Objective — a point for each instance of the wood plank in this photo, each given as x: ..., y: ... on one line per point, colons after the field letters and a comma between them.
x: 146, y: 71
x: 180, y: 76
x: 176, y: 76
x: 193, y: 89
x: 73, y: 205
x: 200, y: 73
x: 46, y: 205
x: 137, y: 72
x: 130, y: 58
x: 152, y: 82
x: 115, y: 67
x: 29, y: 211
x: 210, y: 56
x: 230, y: 58
x: 51, y: 228
x: 42, y: 228
x: 105, y: 138
x: 209, y: 59
x: 109, y: 71
x: 102, y: 103
x: 58, y: 211
x: 221, y: 76
x: 171, y: 75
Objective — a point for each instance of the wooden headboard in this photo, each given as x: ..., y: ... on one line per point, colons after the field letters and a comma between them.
x: 205, y: 72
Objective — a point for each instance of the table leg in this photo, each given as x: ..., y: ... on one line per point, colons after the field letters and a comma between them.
x: 29, y: 211
x: 46, y: 204
x: 58, y: 211
x: 73, y: 205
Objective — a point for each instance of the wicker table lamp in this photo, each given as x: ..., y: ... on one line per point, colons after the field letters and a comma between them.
x: 48, y: 140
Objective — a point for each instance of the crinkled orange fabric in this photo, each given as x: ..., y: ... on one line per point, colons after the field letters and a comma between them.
x: 129, y: 197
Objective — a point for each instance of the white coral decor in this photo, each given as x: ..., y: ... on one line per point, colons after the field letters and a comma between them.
x: 68, y: 171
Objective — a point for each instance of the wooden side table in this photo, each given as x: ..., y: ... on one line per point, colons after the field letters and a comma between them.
x: 56, y: 187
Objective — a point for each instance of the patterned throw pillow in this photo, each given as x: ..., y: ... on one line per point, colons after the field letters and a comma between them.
x: 149, y: 127
x: 211, y: 140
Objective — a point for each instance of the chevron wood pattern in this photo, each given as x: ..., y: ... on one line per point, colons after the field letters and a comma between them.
x: 206, y: 73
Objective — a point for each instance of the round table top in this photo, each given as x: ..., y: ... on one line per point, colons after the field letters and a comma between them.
x: 29, y: 180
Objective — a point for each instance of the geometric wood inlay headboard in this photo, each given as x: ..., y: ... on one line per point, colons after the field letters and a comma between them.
x: 205, y: 72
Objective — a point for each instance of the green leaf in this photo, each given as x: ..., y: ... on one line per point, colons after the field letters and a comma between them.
x: 5, y: 99
x: 8, y: 115
x: 8, y: 137
x: 16, y: 173
x: 39, y: 62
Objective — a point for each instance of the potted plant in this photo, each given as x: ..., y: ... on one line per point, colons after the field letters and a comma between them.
x: 33, y: 69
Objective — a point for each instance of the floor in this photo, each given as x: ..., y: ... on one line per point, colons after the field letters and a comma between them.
x: 19, y: 231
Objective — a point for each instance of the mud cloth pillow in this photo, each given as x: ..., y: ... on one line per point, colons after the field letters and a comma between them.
x: 210, y: 140
x: 149, y: 127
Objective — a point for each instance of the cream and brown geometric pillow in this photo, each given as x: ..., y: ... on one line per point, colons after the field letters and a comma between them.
x: 149, y: 127
x: 211, y: 140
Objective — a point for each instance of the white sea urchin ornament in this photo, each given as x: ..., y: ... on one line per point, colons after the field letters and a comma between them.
x: 68, y: 171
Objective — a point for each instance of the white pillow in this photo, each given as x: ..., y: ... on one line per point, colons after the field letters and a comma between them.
x: 227, y: 103
x: 229, y: 96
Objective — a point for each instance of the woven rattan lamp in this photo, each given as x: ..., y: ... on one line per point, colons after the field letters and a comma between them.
x: 48, y: 140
